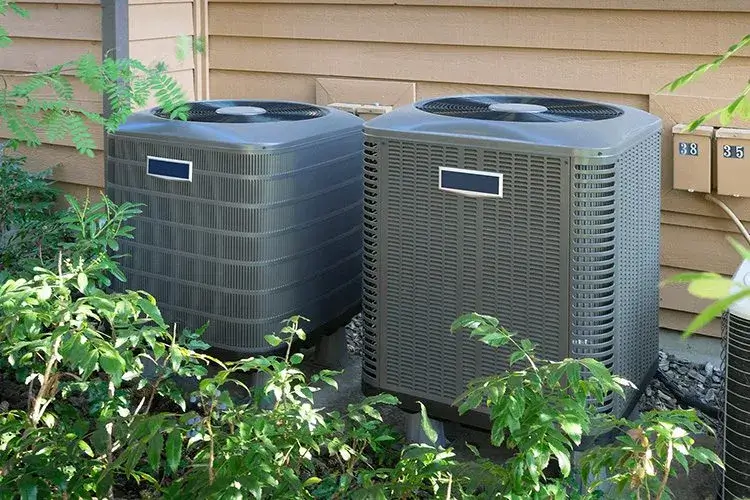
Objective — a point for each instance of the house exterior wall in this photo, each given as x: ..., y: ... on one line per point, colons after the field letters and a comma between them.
x: 397, y: 51
x: 58, y: 31
x: 622, y: 51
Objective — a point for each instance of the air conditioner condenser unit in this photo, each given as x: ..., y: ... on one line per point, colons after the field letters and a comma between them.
x: 543, y: 212
x: 252, y: 213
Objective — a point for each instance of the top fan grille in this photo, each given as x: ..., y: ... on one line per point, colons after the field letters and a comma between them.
x: 248, y: 111
x: 520, y: 109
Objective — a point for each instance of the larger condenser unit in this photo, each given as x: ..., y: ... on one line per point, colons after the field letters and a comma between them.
x: 252, y: 213
x: 543, y: 212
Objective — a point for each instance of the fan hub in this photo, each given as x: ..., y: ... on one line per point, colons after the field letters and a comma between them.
x: 517, y: 107
x: 241, y: 110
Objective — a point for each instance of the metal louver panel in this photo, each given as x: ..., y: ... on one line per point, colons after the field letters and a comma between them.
x: 637, y: 269
x: 735, y: 415
x: 593, y: 253
x: 253, y: 238
x: 438, y: 255
x: 370, y: 262
x: 615, y: 267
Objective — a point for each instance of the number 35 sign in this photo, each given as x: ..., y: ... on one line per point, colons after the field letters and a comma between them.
x: 733, y: 162
x: 733, y: 151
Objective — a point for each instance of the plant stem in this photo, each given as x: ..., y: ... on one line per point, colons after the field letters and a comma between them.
x: 110, y: 431
x: 36, y: 413
x: 528, y: 358
x: 667, y: 467
x: 153, y: 393
x: 211, y: 450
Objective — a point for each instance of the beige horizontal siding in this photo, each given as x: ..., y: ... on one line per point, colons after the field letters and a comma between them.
x: 30, y: 55
x: 620, y: 51
x: 69, y: 165
x: 157, y: 21
x: 56, y: 21
x: 619, y: 72
x: 55, y: 33
x: 154, y: 30
x: 527, y: 28
x: 660, y: 5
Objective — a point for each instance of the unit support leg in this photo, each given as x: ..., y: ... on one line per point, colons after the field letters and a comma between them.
x: 259, y: 380
x: 330, y: 350
x: 583, y: 482
x: 415, y: 433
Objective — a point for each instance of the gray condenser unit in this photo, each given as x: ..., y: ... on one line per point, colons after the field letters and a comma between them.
x: 543, y: 212
x: 253, y: 213
x: 734, y: 414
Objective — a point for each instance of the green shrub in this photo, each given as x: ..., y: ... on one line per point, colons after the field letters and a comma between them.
x: 105, y: 412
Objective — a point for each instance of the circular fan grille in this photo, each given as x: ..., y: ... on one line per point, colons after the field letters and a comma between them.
x: 248, y: 111
x: 520, y: 109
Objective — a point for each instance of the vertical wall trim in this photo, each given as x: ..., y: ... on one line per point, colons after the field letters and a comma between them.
x: 115, y: 34
x: 200, y: 30
x: 116, y: 44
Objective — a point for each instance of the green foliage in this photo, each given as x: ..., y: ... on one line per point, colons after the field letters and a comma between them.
x: 542, y: 411
x: 24, y: 196
x: 6, y: 6
x: 189, y: 45
x: 738, y: 108
x: 43, y: 105
x: 721, y: 290
x: 108, y: 411
x: 641, y: 462
x: 36, y: 235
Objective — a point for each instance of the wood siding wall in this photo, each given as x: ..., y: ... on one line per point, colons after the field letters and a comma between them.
x: 620, y: 51
x: 56, y: 32
x: 62, y: 30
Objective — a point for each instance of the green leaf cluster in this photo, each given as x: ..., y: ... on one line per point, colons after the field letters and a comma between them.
x: 738, y: 108
x: 43, y: 106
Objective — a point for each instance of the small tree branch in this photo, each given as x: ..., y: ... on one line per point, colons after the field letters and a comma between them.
x: 38, y: 409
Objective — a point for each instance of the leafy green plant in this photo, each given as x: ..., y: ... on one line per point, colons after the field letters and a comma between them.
x: 642, y: 460
x: 83, y: 231
x: 543, y: 411
x: 281, y: 450
x: 722, y: 291
x: 26, y: 212
x: 43, y: 104
x: 107, y: 409
x: 738, y: 108
x: 24, y: 196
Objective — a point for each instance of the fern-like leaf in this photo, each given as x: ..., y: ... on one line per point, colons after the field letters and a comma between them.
x: 19, y: 11
x: 5, y: 39
x: 21, y: 127
x: 62, y: 87
x: 80, y: 134
x: 88, y: 71
x: 55, y: 125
